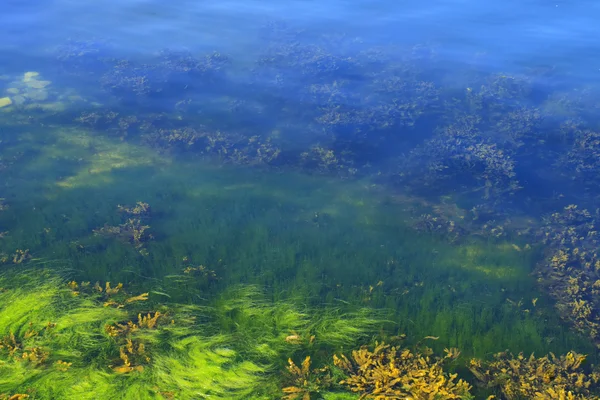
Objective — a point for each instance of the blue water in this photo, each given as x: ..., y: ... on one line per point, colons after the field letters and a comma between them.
x: 510, y: 36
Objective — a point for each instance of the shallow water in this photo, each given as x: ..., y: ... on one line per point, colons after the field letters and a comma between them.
x: 499, y: 36
x: 320, y: 176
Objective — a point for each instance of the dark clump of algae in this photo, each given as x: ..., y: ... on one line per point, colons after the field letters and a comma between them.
x: 245, y: 269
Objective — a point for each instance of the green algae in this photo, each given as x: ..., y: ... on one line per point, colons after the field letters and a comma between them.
x: 312, y: 241
x: 209, y: 369
x: 188, y: 358
x: 182, y: 360
x: 304, y: 266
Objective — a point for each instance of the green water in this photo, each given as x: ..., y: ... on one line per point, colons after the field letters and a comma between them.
x: 292, y: 254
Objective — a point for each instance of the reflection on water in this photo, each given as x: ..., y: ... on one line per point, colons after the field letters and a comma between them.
x: 299, y: 200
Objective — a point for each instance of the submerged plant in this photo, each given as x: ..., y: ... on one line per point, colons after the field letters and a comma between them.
x: 59, y: 345
x: 394, y: 373
x: 548, y: 377
x: 570, y: 270
x: 304, y: 381
x: 140, y: 209
x: 133, y: 230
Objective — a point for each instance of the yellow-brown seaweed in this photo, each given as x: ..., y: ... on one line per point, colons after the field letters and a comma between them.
x: 549, y: 377
x: 305, y: 380
x: 394, y: 373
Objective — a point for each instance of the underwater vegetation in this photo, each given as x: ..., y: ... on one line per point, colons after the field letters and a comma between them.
x: 548, y: 377
x: 570, y: 269
x: 227, y: 295
x: 332, y: 106
x: 305, y: 380
x: 460, y: 153
x: 80, y: 340
x: 304, y: 301
x: 132, y: 230
x: 395, y: 373
x: 73, y: 341
x: 328, y: 104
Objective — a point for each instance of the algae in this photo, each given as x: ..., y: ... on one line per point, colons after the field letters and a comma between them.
x: 256, y: 258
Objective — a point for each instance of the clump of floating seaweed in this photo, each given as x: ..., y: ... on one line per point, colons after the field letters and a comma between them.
x: 255, y: 150
x: 194, y: 279
x: 454, y: 224
x: 570, y: 270
x: 548, y: 377
x: 185, y: 138
x: 396, y: 373
x: 133, y: 230
x: 97, y: 119
x: 158, y: 129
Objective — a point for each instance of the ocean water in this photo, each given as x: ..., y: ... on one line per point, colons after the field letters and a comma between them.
x: 219, y: 199
x: 499, y: 36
